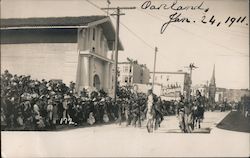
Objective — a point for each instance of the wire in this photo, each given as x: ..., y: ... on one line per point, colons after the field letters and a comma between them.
x: 156, y: 17
x: 96, y: 6
x: 132, y: 32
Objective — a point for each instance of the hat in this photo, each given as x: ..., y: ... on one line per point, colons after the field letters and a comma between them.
x: 103, y: 99
x: 41, y: 96
x: 66, y: 97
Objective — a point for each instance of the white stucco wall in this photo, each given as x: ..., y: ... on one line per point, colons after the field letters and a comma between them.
x: 41, y: 60
x: 91, y: 62
x: 87, y: 42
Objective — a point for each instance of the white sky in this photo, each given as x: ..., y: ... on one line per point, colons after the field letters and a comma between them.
x: 181, y: 44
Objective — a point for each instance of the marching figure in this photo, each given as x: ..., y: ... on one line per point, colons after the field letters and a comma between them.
x: 150, y: 111
x: 184, y: 115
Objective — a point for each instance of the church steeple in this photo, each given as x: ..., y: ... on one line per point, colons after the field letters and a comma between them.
x: 212, y: 81
x: 212, y: 87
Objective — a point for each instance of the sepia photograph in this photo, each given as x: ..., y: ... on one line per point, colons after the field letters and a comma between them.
x: 124, y: 78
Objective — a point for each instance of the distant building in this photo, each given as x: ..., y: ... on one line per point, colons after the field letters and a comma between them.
x: 131, y: 73
x: 67, y: 48
x: 172, y: 83
x: 230, y: 95
x: 203, y: 88
x: 220, y: 95
x: 236, y: 94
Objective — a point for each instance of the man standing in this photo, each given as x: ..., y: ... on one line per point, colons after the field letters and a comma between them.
x: 150, y: 111
x: 181, y: 114
x: 184, y: 115
x: 187, y: 116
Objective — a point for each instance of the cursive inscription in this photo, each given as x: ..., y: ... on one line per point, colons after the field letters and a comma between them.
x: 179, y: 14
x: 176, y: 17
x: 174, y: 6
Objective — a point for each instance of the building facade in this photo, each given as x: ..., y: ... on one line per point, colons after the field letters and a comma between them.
x: 172, y: 84
x: 77, y: 49
x: 203, y: 88
x: 131, y: 73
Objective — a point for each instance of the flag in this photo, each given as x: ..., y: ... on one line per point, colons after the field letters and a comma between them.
x: 108, y: 1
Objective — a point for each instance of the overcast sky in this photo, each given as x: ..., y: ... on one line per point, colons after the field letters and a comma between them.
x: 181, y: 43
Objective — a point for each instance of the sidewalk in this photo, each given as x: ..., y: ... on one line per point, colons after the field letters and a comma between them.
x: 235, y: 121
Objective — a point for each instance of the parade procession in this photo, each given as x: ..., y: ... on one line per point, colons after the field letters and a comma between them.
x: 29, y: 104
x: 124, y: 78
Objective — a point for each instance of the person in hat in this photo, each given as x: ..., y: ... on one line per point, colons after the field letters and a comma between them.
x: 91, y: 119
x: 135, y: 110
x: 50, y: 114
x: 3, y: 119
x: 65, y: 109
x: 150, y: 111
x: 105, y: 117
x: 180, y: 113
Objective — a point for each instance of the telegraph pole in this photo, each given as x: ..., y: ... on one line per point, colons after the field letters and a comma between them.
x: 191, y: 67
x: 156, y: 50
x: 108, y: 7
x: 118, y: 14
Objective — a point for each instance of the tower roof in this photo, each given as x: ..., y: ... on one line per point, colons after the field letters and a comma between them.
x: 212, y: 81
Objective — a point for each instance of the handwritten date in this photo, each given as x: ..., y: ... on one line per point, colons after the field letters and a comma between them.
x: 229, y: 21
x: 179, y: 18
x: 173, y: 18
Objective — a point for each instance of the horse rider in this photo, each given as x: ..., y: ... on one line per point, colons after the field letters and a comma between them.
x: 158, y: 113
x: 200, y: 103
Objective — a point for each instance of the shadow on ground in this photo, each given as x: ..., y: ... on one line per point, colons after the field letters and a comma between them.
x: 61, y: 127
x: 197, y: 131
x: 235, y: 121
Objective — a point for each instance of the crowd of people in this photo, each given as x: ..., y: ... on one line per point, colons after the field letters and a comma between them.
x: 28, y: 104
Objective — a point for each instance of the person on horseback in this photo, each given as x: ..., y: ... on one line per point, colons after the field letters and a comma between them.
x: 200, y: 103
x: 158, y: 113
x: 198, y: 109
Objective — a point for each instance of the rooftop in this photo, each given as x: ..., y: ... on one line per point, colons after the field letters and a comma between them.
x: 170, y: 72
x: 49, y: 21
x: 19, y: 24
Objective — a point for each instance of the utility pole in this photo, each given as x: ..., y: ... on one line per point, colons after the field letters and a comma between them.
x: 191, y: 67
x: 118, y: 14
x: 156, y: 50
x: 108, y: 7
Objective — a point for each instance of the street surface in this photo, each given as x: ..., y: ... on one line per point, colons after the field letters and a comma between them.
x: 114, y: 140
